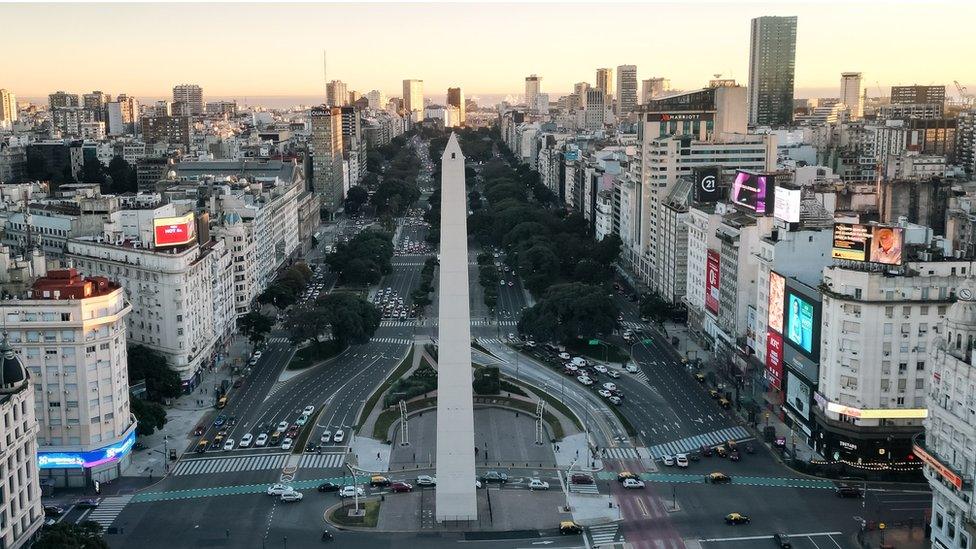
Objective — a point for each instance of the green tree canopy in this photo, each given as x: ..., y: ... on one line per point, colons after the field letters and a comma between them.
x: 150, y: 416
x: 149, y: 364
x: 570, y: 311
x: 67, y: 535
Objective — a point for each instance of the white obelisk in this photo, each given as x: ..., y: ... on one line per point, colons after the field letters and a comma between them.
x: 456, y: 497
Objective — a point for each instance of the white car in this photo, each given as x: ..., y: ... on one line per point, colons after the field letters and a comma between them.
x: 278, y: 489
x: 229, y: 445
x: 585, y: 380
x: 286, y: 444
x: 339, y: 436
x: 681, y: 460
x: 578, y: 361
x: 610, y: 386
x: 426, y: 480
x: 600, y: 368
x: 615, y: 400
x: 308, y: 410
x: 605, y: 393
x: 301, y: 421
x: 633, y: 483
x: 291, y: 496
x: 256, y: 355
x: 632, y: 368
x: 246, y: 440
x: 536, y: 484
x: 282, y: 427
x: 564, y: 356
x: 326, y: 437
x: 352, y: 491
x: 668, y: 460
x: 261, y: 440
x: 613, y: 373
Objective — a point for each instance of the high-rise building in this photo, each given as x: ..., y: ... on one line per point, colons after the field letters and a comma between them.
x: 191, y: 95
x: 377, y: 100
x: 130, y: 111
x: 533, y: 85
x: 336, y: 94
x: 95, y: 102
x: 604, y: 81
x: 626, y: 89
x: 455, y: 97
x: 917, y: 94
x: 772, y: 60
x: 60, y: 99
x: 653, y: 87
x: 327, y: 155
x: 413, y: 98
x: 596, y: 109
x: 850, y: 94
x: 21, y: 496
x: 8, y: 106
x: 166, y: 129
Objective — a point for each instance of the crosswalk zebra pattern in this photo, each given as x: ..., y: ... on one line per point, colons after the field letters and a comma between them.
x: 108, y: 509
x: 737, y: 433
x: 321, y: 461
x: 398, y: 323
x: 622, y: 453
x: 605, y: 533
x: 229, y: 464
x: 397, y: 340
x: 588, y: 489
x: 432, y: 322
x: 634, y: 325
x: 641, y: 376
x: 277, y: 340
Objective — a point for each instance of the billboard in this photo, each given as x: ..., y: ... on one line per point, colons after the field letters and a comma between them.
x: 786, y: 204
x: 174, y: 231
x: 79, y: 460
x: 798, y: 395
x: 777, y: 292
x: 711, y: 282
x: 872, y: 243
x: 799, y: 322
x: 749, y: 190
x: 774, y: 359
x: 706, y: 185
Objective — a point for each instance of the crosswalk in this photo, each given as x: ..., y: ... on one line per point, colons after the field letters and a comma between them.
x: 588, y: 489
x: 604, y: 533
x: 634, y: 325
x: 321, y: 461
x: 397, y: 340
x: 398, y: 323
x: 206, y: 466
x: 737, y: 433
x: 432, y: 322
x: 624, y: 453
x: 641, y: 376
x: 277, y: 340
x: 108, y: 509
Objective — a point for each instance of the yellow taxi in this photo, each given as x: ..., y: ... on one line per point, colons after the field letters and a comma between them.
x: 570, y: 527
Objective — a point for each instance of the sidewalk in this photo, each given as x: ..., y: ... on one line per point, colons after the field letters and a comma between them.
x: 900, y: 537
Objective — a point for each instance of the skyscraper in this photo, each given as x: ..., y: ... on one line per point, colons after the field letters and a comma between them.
x: 653, y: 87
x: 8, y: 106
x: 190, y: 95
x: 772, y: 63
x: 377, y: 100
x: 327, y: 156
x: 850, y: 94
x: 626, y: 88
x: 60, y: 99
x: 533, y: 85
x: 455, y: 97
x: 336, y: 94
x: 595, y: 109
x: 604, y: 81
x: 413, y: 98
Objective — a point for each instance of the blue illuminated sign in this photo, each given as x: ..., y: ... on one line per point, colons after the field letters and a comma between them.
x: 87, y: 460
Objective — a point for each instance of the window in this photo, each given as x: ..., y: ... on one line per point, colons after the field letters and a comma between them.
x: 902, y: 367
x: 920, y: 365
x: 887, y: 328
x: 919, y: 383
x: 90, y: 349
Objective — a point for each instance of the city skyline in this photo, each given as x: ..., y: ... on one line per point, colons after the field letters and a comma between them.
x: 150, y: 71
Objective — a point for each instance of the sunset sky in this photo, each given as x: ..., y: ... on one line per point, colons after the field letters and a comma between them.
x: 276, y: 49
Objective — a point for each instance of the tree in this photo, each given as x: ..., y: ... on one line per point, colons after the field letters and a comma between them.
x: 255, y: 326
x: 150, y: 365
x: 539, y: 267
x: 150, y: 416
x: 569, y: 311
x: 66, y: 535
x: 123, y: 176
x: 355, y: 198
x: 92, y: 171
x: 394, y: 196
x: 306, y: 324
x: 352, y: 318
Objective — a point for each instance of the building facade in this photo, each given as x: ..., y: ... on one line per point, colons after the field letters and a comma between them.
x: 326, y: 143
x: 772, y: 58
x: 190, y: 95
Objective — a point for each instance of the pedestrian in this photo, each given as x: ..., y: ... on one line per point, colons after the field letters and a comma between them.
x: 377, y: 455
x: 577, y: 452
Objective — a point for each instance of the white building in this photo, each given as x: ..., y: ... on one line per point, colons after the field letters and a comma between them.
x: 533, y: 85
x: 376, y: 99
x: 850, y: 94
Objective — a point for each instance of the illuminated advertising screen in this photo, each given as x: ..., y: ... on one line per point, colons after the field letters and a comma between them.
x: 749, y: 191
x: 174, y: 231
x: 711, y: 282
x: 872, y: 243
x: 797, y: 395
x: 774, y: 359
x: 799, y: 324
x: 801, y: 328
x: 786, y: 204
x: 777, y: 290
x: 86, y: 460
x: 706, y: 185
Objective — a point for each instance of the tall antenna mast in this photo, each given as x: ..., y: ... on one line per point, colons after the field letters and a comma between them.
x: 325, y: 69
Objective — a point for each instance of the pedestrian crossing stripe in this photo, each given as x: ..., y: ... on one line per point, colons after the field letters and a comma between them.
x: 397, y: 340
x: 640, y: 375
x: 108, y: 510
x: 277, y: 340
x: 589, y: 489
x: 714, y: 438
x: 321, y: 461
x: 634, y: 325
x: 624, y: 453
x: 205, y: 466
x: 433, y: 323
x: 606, y: 533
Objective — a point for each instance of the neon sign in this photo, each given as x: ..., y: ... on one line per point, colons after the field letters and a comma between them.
x: 87, y: 460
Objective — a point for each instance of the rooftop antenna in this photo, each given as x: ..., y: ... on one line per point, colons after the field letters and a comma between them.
x: 325, y: 70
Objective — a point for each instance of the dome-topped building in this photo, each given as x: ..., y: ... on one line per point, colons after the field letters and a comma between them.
x: 13, y: 375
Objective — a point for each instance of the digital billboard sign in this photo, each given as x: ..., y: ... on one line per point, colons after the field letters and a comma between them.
x: 798, y: 395
x: 174, y: 231
x: 712, y: 281
x: 799, y: 323
x: 706, y: 185
x: 774, y: 359
x: 801, y: 329
x: 872, y: 243
x: 86, y: 460
x: 750, y: 190
x: 777, y: 292
x: 786, y: 204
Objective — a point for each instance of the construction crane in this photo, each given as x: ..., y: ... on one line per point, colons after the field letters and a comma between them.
x: 967, y: 99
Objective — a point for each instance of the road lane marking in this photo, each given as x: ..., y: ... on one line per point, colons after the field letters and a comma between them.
x: 750, y: 538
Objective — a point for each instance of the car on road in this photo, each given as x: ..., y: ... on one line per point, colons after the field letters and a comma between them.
x: 706, y: 451
x: 326, y: 437
x: 308, y: 410
x: 734, y: 455
x: 681, y: 460
x: 700, y: 378
x: 783, y: 541
x: 256, y: 355
x: 624, y: 475
x: 426, y: 480
x: 339, y: 436
x: 292, y: 431
x: 564, y: 356
x: 585, y: 380
x: 605, y: 393
x: 714, y: 394
x: 87, y: 503
x: 291, y: 496
x: 53, y: 511
x: 301, y: 421
x: 615, y: 400
x: 610, y: 386
x: 495, y: 476
x: 229, y: 445
x: 717, y: 477
x: 537, y: 484
x: 848, y: 492
x: 202, y: 446
x: 328, y: 487
x: 199, y: 430
x: 737, y: 518
x: 667, y: 460
x: 275, y: 439
x: 220, y: 420
x: 398, y: 487
x: 262, y: 440
x: 246, y: 440
x: 286, y: 444
x: 232, y: 421
x: 600, y: 368
x: 570, y: 527
x: 633, y: 483
x: 351, y: 491
x: 278, y: 489
x: 282, y: 427
x: 614, y: 374
x: 581, y: 478
x: 379, y: 480
x: 311, y: 447
x: 631, y: 368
